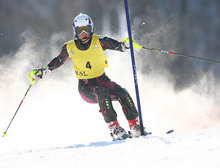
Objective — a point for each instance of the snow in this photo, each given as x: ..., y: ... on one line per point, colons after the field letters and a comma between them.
x: 55, y: 128
x: 199, y: 148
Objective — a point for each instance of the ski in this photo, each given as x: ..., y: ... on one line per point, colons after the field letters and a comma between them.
x: 129, y: 135
x: 170, y: 131
x: 150, y: 133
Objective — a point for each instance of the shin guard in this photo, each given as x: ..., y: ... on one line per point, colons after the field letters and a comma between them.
x: 105, y: 104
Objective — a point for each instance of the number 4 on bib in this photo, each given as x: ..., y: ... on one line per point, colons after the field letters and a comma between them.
x: 88, y: 65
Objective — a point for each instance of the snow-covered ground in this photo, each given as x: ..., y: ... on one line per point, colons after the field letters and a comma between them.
x: 189, y: 150
x: 55, y: 128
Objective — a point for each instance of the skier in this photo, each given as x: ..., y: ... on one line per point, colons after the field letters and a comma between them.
x: 89, y: 61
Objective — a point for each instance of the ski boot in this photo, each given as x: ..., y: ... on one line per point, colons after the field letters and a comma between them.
x: 117, y: 132
x: 135, y: 129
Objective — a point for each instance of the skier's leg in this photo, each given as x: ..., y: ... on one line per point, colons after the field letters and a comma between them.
x: 93, y: 93
x: 109, y: 114
x: 100, y: 95
x: 126, y: 102
x: 118, y: 93
x: 86, y: 92
x: 129, y: 110
x: 105, y: 104
x: 128, y: 106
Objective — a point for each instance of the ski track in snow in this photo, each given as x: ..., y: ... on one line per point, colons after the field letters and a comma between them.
x: 189, y: 150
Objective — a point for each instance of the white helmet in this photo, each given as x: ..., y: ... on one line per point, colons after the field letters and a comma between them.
x: 82, y: 20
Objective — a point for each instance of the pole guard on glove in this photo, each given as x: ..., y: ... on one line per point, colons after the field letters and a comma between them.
x: 37, y: 73
x: 125, y: 44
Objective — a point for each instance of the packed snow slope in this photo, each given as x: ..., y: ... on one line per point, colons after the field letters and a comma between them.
x: 56, y: 128
x: 187, y: 150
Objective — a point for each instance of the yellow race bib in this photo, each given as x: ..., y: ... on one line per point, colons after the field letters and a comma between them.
x: 88, y: 63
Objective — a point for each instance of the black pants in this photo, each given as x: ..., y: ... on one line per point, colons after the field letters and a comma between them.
x: 103, y: 91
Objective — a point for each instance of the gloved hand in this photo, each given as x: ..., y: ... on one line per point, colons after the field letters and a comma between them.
x: 37, y: 73
x: 126, y: 45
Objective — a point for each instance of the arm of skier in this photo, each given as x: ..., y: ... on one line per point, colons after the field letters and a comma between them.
x: 59, y: 60
x: 109, y: 43
x: 55, y: 63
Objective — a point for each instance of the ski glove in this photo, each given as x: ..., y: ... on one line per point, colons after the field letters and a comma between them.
x: 126, y: 45
x: 37, y: 73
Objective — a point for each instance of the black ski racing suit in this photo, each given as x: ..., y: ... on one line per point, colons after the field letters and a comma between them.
x: 101, y: 90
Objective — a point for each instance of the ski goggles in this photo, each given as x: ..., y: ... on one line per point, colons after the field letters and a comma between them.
x: 85, y: 29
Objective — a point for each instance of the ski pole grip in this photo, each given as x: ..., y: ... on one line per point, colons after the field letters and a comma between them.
x: 135, y: 45
x: 32, y: 76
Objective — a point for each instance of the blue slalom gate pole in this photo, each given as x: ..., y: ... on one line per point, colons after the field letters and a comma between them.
x: 134, y: 66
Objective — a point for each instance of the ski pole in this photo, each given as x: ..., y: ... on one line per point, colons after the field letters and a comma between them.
x: 31, y: 76
x: 183, y: 55
x: 4, y: 133
x: 134, y: 67
x: 137, y: 46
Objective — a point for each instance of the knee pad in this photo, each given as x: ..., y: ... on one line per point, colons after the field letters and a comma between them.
x: 127, y: 103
